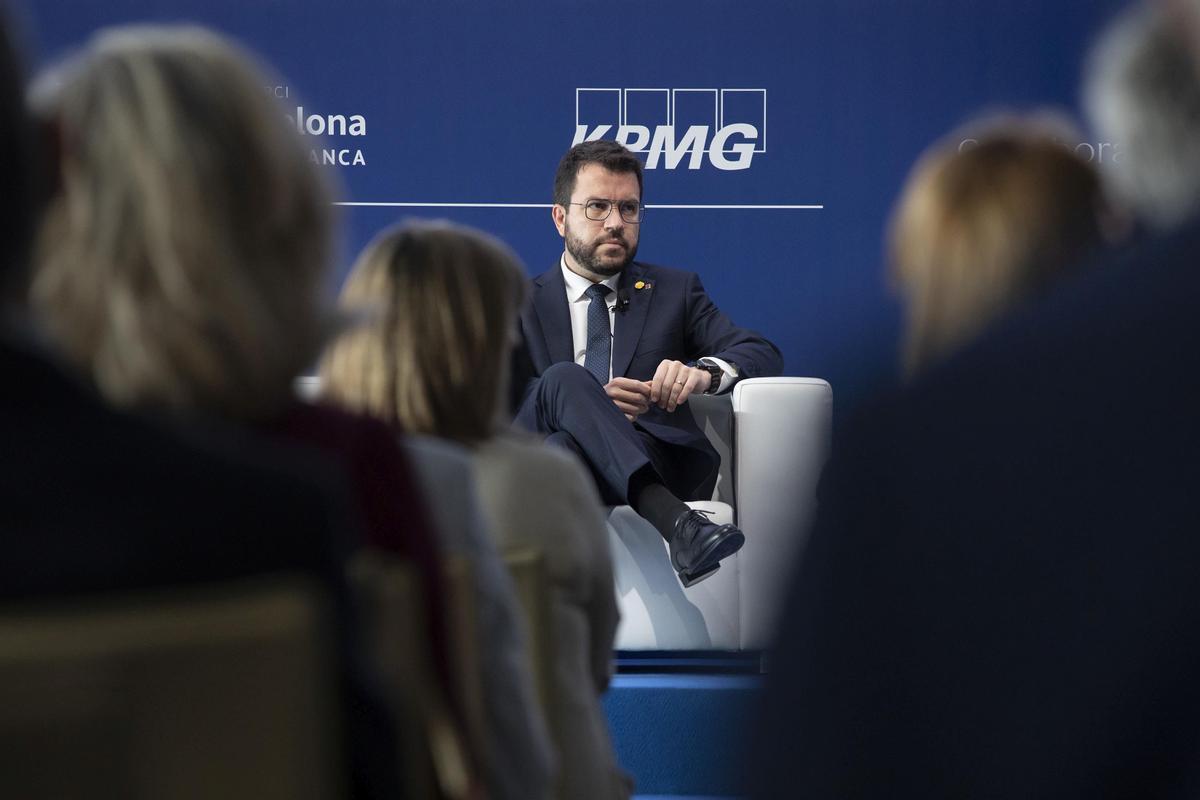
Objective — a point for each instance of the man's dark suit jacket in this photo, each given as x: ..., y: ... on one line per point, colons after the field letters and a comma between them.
x: 1001, y: 597
x: 95, y: 501
x: 670, y: 317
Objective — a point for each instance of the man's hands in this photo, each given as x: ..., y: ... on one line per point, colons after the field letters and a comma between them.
x: 673, y: 383
x: 632, y: 397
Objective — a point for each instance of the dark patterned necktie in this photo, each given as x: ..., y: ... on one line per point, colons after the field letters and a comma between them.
x: 599, y: 334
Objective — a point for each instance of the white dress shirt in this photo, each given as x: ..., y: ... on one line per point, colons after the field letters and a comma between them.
x: 578, y: 302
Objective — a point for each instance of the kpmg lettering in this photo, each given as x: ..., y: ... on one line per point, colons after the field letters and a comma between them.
x: 694, y: 144
x: 726, y: 127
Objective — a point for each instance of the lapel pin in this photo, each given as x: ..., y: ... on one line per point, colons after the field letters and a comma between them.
x: 641, y: 285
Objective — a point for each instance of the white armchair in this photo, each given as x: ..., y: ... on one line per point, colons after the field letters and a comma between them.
x: 773, y: 436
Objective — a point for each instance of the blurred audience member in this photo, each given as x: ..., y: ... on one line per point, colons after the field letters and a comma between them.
x: 435, y: 359
x: 182, y: 258
x: 94, y: 500
x: 987, y: 218
x: 1142, y: 95
x: 1000, y: 596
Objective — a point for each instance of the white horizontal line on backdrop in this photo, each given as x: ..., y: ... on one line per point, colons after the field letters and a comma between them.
x: 749, y: 208
x: 448, y: 205
x: 551, y: 205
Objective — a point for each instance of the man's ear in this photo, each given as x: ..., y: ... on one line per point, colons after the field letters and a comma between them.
x: 559, y: 215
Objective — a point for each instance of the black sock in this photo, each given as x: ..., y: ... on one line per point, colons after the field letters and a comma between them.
x: 655, y: 503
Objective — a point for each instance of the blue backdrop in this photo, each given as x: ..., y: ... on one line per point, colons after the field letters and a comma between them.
x: 474, y: 102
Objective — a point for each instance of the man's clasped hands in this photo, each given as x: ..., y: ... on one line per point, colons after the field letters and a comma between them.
x: 672, y: 384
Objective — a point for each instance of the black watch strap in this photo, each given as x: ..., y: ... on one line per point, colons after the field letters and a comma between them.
x: 716, y: 372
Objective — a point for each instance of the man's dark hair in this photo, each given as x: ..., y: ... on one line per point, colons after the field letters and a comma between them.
x: 18, y: 163
x: 612, y: 156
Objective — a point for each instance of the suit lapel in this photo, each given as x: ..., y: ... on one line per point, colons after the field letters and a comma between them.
x: 550, y: 306
x: 627, y: 328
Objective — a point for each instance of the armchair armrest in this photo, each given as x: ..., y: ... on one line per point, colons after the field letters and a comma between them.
x: 781, y: 440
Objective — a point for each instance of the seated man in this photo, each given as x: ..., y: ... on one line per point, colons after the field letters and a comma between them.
x: 612, y: 348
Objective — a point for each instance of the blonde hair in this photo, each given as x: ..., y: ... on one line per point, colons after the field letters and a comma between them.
x: 182, y: 261
x: 440, y: 304
x: 986, y: 219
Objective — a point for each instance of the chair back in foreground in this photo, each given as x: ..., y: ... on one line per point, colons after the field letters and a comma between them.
x: 527, y: 567
x: 218, y: 691
x: 463, y: 622
x: 433, y: 748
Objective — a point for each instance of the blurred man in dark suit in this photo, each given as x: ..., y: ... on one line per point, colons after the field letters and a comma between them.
x: 1001, y: 597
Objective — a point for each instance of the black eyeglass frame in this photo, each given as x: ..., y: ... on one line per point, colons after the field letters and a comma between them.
x: 611, y: 205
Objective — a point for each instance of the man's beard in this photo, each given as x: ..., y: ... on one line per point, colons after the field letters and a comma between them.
x: 585, y: 254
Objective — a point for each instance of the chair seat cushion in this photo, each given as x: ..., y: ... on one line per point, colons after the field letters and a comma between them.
x: 657, y: 613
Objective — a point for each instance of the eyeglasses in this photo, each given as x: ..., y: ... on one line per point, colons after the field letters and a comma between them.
x: 631, y: 211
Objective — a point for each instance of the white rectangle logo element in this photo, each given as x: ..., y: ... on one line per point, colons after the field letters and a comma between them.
x: 671, y: 125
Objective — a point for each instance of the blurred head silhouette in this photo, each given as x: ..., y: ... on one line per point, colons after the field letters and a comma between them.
x: 988, y: 217
x: 440, y: 303
x: 1142, y: 91
x: 182, y: 258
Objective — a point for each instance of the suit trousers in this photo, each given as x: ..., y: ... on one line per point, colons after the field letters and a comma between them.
x: 570, y: 408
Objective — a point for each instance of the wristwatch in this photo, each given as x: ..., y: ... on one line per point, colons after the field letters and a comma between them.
x: 716, y: 372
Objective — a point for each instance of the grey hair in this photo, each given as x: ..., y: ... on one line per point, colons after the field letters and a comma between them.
x: 1142, y: 92
x: 183, y: 258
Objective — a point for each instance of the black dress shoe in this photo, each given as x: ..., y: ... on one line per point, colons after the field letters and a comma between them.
x: 698, y: 545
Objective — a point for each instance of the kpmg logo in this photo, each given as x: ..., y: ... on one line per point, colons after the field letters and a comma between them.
x: 729, y: 126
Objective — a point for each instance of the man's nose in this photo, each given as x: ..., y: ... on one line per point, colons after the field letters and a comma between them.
x: 614, y: 221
